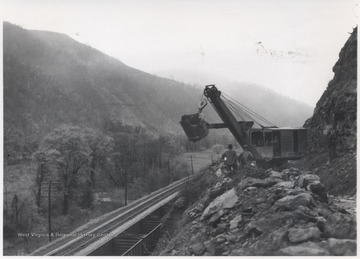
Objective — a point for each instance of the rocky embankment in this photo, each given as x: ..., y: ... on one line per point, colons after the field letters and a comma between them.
x: 336, y: 110
x: 259, y: 212
x: 338, y: 176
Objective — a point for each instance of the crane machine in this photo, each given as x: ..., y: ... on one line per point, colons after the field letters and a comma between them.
x: 269, y: 145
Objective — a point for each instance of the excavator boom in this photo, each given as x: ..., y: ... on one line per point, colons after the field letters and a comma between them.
x: 237, y: 129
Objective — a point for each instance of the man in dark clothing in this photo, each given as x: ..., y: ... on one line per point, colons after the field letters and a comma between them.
x: 245, y: 157
x: 229, y: 158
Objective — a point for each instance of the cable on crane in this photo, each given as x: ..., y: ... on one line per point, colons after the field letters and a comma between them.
x: 255, y: 114
x: 243, y: 111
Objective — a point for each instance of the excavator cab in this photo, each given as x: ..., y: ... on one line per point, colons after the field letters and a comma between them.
x: 280, y: 143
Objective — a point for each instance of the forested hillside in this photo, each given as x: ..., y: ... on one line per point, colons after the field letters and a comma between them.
x: 50, y: 79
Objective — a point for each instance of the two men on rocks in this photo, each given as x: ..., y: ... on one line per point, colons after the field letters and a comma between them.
x: 231, y: 160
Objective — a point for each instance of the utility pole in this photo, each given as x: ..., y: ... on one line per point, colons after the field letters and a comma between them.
x: 169, y: 171
x: 15, y: 206
x: 6, y: 206
x: 192, y: 167
x: 126, y: 187
x: 49, y: 211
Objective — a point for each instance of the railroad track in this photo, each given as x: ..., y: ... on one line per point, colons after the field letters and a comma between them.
x: 81, y: 238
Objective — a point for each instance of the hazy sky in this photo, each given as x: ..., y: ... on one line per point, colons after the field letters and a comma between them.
x: 289, y: 46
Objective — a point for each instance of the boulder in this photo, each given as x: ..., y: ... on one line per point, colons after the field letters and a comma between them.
x: 298, y: 235
x: 319, y: 189
x: 320, y: 223
x: 231, y: 238
x: 260, y: 183
x: 223, y: 224
x: 197, y: 249
x: 230, y: 199
x: 269, y: 223
x: 216, y: 217
x: 341, y: 226
x: 217, y: 190
x: 220, y: 249
x: 285, y: 185
x: 219, y: 239
x: 268, y: 243
x: 238, y: 252
x: 235, y: 222
x: 219, y: 230
x: 198, y: 232
x: 306, y: 179
x: 323, y: 211
x: 296, y: 191
x: 305, y: 214
x: 302, y: 251
x: 210, y: 247
x: 292, y: 202
x: 225, y: 201
x: 275, y: 239
x: 250, y: 189
x: 275, y: 174
x: 342, y: 247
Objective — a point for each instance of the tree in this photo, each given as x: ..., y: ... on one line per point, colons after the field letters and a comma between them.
x: 71, y: 154
x: 101, y: 147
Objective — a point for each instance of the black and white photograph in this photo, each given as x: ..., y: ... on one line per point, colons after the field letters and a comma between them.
x: 179, y: 128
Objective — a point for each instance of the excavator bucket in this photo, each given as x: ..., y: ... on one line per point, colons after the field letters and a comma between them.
x: 194, y: 127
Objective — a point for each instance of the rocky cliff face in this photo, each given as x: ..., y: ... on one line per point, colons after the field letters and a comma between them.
x: 264, y: 213
x: 336, y: 112
x: 336, y: 109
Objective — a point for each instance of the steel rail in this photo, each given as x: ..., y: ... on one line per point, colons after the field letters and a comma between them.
x: 91, y: 225
x: 79, y: 239
x: 142, y: 240
x: 108, y: 227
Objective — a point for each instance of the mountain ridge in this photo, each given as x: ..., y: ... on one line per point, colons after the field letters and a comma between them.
x: 70, y: 77
x: 51, y: 79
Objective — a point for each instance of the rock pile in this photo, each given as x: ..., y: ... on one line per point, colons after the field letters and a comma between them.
x: 271, y: 213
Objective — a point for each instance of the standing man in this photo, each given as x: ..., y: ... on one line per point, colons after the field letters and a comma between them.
x: 245, y: 157
x: 229, y: 158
